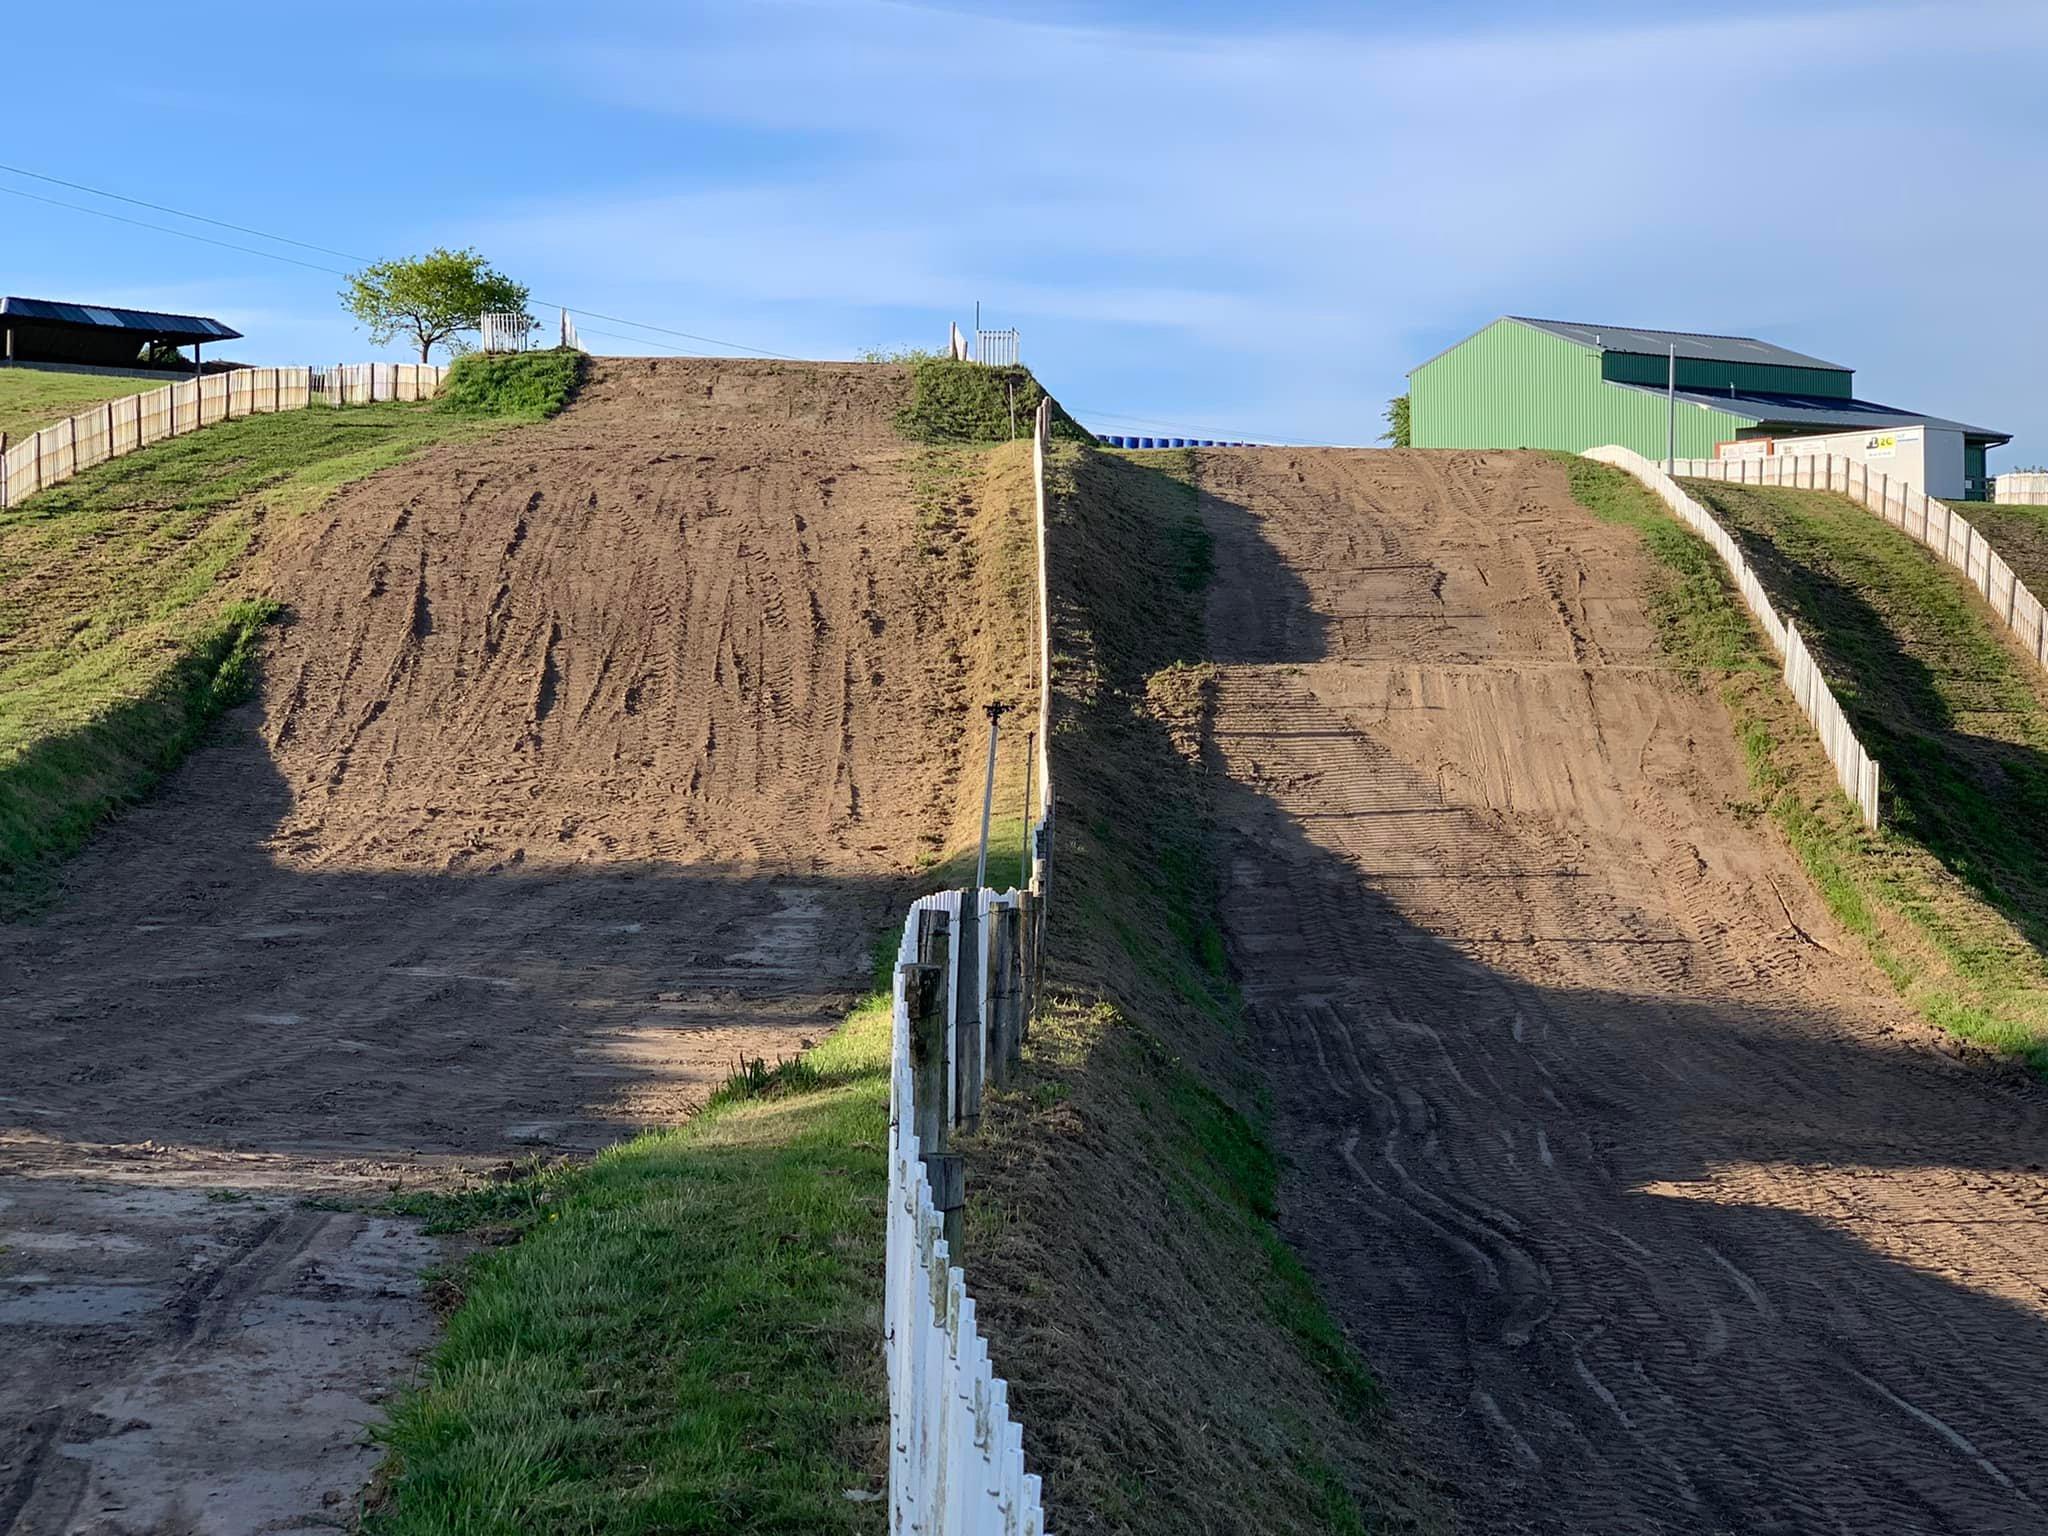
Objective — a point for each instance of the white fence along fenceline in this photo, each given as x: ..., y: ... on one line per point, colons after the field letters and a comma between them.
x: 369, y: 383
x: 966, y: 980
x: 998, y: 349
x: 506, y: 331
x: 115, y: 427
x: 1920, y: 517
x: 1855, y: 769
x: 2021, y: 488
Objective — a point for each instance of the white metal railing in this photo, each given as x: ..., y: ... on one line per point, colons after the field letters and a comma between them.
x: 998, y: 349
x: 966, y: 979
x: 506, y: 331
x: 1925, y: 519
x: 112, y: 428
x: 992, y: 349
x: 1855, y: 769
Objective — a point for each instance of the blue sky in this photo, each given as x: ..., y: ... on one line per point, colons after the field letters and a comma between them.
x: 1241, y: 220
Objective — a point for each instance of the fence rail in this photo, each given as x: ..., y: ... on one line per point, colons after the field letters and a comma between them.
x: 2021, y: 487
x: 1855, y: 769
x: 966, y: 981
x: 1921, y: 517
x: 509, y: 331
x: 998, y: 349
x: 115, y: 427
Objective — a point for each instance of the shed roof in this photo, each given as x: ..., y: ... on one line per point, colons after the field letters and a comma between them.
x: 1817, y: 411
x: 1690, y: 344
x: 101, y: 317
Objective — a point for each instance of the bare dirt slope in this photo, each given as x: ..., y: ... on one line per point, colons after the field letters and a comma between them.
x: 1648, y: 1198
x: 588, y: 761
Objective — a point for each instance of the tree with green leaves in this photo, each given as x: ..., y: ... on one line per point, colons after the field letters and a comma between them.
x: 430, y: 299
x: 1397, y: 422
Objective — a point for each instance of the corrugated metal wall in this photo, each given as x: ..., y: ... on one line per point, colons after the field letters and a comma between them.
x: 1514, y: 387
x: 1698, y: 373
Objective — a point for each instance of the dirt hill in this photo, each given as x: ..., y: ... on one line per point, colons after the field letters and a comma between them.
x: 1637, y: 1182
x: 589, y: 761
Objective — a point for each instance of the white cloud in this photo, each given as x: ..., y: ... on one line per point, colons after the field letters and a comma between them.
x: 1314, y: 211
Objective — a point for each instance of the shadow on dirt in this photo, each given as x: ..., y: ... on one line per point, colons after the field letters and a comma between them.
x: 249, y: 1007
x: 1678, y: 1258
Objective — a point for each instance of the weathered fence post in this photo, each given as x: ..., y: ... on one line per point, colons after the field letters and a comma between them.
x: 1006, y: 990
x: 925, y: 995
x: 967, y: 1025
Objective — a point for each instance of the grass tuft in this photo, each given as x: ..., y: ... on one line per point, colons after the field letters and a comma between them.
x: 959, y: 402
x: 517, y: 386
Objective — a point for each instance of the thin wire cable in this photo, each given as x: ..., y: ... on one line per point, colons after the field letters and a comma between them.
x: 1182, y: 430
x: 186, y: 234
x: 200, y: 218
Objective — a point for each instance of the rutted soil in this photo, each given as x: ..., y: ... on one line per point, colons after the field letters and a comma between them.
x: 590, y: 756
x: 1653, y: 1205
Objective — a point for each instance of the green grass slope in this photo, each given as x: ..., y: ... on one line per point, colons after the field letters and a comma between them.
x: 129, y: 601
x: 1946, y: 895
x: 2019, y: 534
x: 31, y: 398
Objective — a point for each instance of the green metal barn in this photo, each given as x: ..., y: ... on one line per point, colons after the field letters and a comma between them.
x: 1523, y: 383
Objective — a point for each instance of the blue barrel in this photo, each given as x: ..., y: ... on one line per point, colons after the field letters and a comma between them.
x: 1144, y: 442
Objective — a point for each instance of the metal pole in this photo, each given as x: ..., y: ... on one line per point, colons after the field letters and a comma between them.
x: 1671, y: 416
x: 1030, y: 762
x: 988, y: 796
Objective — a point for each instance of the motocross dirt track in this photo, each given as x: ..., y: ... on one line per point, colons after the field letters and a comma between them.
x: 590, y: 759
x: 1653, y: 1206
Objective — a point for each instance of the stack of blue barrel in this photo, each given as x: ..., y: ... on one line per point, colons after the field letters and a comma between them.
x: 1114, y: 440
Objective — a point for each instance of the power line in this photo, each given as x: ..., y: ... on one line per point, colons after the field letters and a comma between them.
x: 165, y: 229
x: 200, y: 218
x: 1183, y: 430
x: 262, y: 234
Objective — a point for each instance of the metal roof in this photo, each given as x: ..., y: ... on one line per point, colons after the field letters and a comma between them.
x: 101, y: 317
x: 1692, y: 344
x: 1816, y: 411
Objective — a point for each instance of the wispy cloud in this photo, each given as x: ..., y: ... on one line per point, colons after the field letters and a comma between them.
x: 1314, y: 210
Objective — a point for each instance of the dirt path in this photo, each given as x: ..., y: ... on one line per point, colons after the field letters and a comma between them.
x: 588, y: 762
x: 1652, y: 1203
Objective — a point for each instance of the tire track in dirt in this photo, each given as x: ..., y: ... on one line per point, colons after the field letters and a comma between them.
x: 1638, y: 1185
x: 588, y: 761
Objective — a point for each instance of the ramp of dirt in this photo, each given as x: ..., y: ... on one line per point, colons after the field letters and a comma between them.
x: 589, y: 759
x: 1641, y: 1189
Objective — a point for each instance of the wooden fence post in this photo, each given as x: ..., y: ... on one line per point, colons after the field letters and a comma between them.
x: 1006, y: 991
x: 3, y: 472
x: 931, y: 1070
x: 967, y: 1022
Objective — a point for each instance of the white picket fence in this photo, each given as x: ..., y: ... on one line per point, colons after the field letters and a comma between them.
x: 1855, y: 769
x: 992, y: 349
x: 112, y: 428
x: 369, y: 383
x: 1933, y: 523
x: 956, y: 1457
x: 2021, y: 487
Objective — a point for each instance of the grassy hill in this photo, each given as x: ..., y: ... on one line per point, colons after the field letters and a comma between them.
x: 130, y: 599
x: 2018, y: 533
x: 1952, y: 894
x: 31, y: 398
